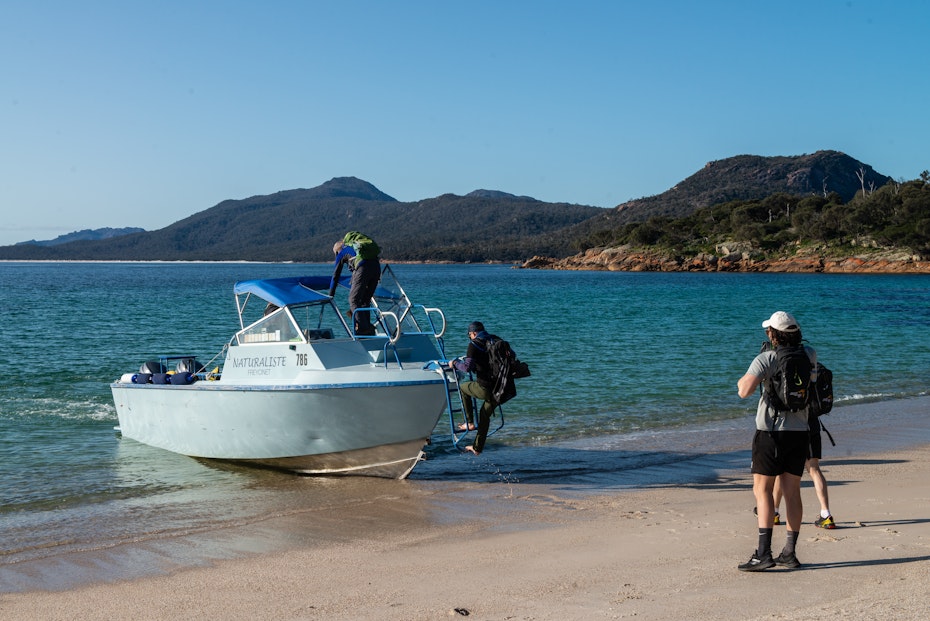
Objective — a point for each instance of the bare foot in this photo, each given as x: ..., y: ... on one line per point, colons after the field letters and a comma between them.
x: 466, y: 427
x: 471, y: 449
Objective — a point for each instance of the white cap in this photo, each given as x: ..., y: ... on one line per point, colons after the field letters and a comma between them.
x: 781, y: 321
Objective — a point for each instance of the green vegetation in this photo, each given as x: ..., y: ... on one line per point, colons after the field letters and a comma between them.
x: 301, y: 226
x: 827, y: 202
x: 896, y: 215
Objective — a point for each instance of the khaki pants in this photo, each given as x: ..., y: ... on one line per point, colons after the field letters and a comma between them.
x: 476, y: 390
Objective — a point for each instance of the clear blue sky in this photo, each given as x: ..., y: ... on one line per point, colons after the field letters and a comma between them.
x: 122, y: 113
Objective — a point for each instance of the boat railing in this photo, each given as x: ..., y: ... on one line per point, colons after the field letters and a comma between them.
x: 378, y: 319
x: 395, y: 329
x: 429, y: 312
x: 432, y: 317
x: 391, y: 336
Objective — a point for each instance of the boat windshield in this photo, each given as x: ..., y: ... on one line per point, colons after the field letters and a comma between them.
x: 319, y: 321
x: 276, y: 327
x: 390, y: 297
x: 295, y: 324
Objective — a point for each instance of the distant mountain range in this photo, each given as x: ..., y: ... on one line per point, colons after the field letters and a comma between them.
x: 86, y: 234
x: 301, y: 225
x: 485, y: 225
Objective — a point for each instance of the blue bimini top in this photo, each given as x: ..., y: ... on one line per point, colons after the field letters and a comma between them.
x: 284, y: 291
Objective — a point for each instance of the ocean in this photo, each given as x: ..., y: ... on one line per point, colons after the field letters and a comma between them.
x: 629, y: 371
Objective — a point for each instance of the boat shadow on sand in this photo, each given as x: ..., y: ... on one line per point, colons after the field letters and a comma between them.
x: 591, y: 470
x: 583, y: 468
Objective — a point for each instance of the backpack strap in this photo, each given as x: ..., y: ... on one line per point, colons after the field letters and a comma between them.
x: 828, y: 433
x: 812, y: 356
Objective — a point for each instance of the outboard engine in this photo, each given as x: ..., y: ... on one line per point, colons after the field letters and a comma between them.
x: 189, y: 365
x: 153, y: 366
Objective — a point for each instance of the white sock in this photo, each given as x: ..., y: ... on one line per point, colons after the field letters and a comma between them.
x: 824, y: 513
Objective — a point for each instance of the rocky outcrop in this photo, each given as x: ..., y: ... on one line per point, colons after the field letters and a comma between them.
x: 625, y: 259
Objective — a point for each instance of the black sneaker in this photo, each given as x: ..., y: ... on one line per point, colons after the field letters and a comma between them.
x: 757, y: 564
x: 789, y: 561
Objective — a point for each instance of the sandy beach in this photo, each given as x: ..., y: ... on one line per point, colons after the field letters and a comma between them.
x: 514, y: 551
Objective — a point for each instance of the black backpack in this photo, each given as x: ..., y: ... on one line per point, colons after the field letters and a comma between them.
x: 821, y: 392
x: 505, y: 367
x: 789, y: 388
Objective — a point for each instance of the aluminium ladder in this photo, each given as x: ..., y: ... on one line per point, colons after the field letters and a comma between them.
x: 455, y: 404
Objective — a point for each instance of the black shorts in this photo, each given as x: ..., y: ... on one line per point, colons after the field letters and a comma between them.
x: 778, y: 452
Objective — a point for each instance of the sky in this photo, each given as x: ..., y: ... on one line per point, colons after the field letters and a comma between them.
x: 126, y: 113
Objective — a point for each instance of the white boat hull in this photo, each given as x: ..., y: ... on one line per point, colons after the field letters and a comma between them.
x: 378, y: 430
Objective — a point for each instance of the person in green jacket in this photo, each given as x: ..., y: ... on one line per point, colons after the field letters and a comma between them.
x: 360, y: 253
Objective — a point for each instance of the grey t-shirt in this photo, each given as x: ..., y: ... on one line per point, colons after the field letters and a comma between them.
x: 763, y: 366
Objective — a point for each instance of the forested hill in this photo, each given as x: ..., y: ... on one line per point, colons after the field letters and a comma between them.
x: 748, y: 177
x: 768, y: 203
x: 301, y: 225
x: 741, y: 179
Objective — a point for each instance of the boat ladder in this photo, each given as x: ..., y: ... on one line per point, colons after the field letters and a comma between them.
x: 455, y: 405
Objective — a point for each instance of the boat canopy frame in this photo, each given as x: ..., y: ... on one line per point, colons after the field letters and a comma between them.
x: 284, y: 297
x: 390, y: 304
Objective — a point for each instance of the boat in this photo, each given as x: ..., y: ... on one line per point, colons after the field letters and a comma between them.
x: 296, y: 389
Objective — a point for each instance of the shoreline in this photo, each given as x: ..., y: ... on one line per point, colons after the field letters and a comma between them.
x: 624, y: 259
x: 577, y: 546
x: 609, y: 260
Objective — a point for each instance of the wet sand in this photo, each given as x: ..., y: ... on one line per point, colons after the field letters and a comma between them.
x: 662, y: 545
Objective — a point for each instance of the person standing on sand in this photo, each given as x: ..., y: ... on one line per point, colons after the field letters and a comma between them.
x: 779, y: 446
x: 820, y: 481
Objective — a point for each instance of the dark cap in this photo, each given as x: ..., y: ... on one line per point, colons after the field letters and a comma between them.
x: 476, y: 326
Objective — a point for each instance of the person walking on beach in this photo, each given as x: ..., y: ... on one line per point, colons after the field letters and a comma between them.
x: 476, y: 361
x: 779, y: 446
x: 825, y: 520
x: 360, y: 253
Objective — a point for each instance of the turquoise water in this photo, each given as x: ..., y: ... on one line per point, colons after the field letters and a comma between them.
x: 612, y: 354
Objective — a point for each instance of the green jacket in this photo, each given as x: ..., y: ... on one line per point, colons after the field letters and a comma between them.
x: 364, y: 246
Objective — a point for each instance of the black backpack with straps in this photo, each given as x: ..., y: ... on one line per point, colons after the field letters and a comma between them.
x: 821, y: 392
x: 789, y: 387
x: 788, y: 378
x: 505, y: 368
